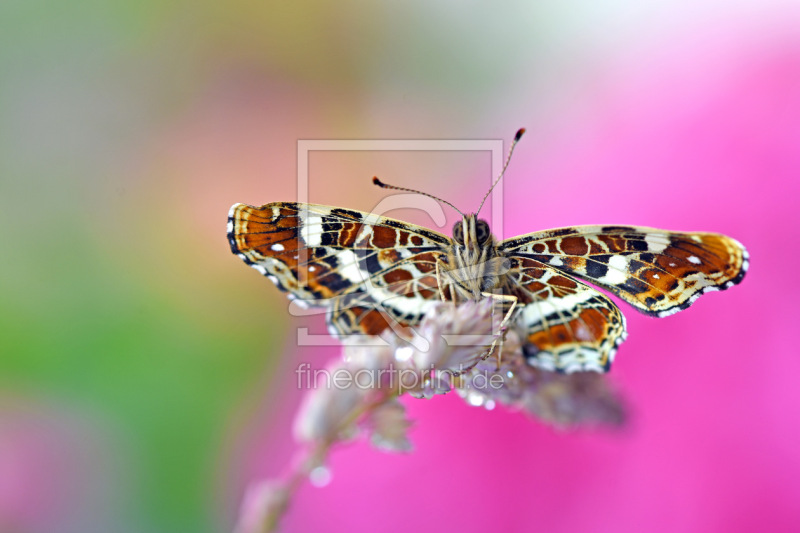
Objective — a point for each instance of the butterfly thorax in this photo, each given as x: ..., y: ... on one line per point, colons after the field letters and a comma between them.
x: 473, y: 264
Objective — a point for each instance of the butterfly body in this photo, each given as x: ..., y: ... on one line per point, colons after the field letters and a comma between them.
x: 472, y: 266
x: 373, y: 273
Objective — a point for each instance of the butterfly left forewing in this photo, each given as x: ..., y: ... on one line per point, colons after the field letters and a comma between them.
x: 366, y: 269
x: 658, y: 272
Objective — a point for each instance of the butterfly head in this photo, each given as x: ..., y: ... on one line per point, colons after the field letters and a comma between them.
x: 472, y: 232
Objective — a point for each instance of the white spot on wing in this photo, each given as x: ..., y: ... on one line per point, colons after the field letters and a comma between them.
x: 556, y: 262
x: 277, y: 247
x: 413, y: 306
x: 348, y: 266
x: 617, y: 270
x: 620, y: 262
x: 534, y: 312
x: 656, y: 242
x: 311, y: 231
x: 694, y: 259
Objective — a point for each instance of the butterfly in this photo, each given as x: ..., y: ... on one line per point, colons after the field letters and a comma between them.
x: 372, y: 273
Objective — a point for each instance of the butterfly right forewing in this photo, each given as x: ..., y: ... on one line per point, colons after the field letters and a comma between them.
x: 658, y: 272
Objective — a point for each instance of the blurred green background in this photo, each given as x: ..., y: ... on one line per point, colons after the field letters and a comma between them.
x: 117, y: 314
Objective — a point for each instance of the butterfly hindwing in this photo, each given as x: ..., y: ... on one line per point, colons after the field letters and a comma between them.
x: 365, y: 268
x: 658, y: 272
x: 567, y: 325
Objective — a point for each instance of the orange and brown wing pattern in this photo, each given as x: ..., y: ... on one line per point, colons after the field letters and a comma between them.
x: 567, y: 325
x: 658, y: 272
x: 367, y: 269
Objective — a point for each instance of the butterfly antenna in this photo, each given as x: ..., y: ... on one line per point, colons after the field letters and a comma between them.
x: 379, y: 183
x: 517, y: 137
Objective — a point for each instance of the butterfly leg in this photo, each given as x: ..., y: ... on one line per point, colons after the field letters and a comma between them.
x: 506, y: 299
x: 445, y: 285
x: 439, y: 281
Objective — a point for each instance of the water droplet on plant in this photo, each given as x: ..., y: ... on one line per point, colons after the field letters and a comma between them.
x: 404, y: 353
x: 475, y: 399
x: 320, y: 476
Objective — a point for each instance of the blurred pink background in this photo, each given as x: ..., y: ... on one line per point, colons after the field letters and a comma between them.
x: 702, y: 134
x: 130, y: 130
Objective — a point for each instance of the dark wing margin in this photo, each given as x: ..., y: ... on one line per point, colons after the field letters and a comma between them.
x: 366, y: 269
x: 656, y: 271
